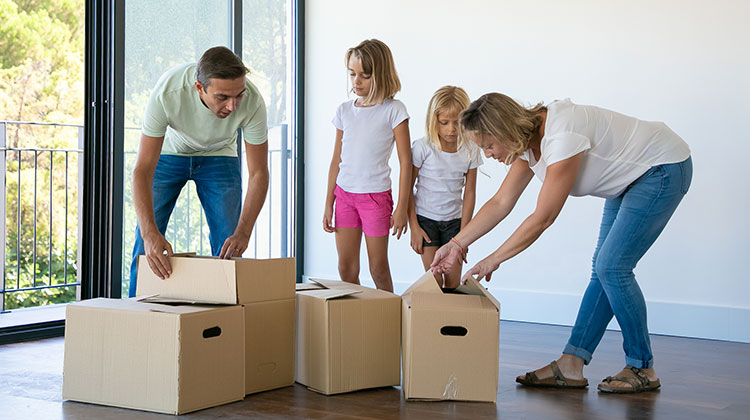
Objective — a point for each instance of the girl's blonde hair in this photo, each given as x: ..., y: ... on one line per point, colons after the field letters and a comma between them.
x: 447, y: 99
x: 377, y: 61
x: 501, y: 117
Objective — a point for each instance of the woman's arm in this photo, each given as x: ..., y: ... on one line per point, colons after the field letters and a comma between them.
x: 492, y: 212
x: 470, y: 197
x: 333, y: 173
x: 500, y: 205
x: 403, y: 148
x: 558, y: 182
x: 469, y: 201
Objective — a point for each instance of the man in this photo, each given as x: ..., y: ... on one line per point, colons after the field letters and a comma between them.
x: 190, y: 133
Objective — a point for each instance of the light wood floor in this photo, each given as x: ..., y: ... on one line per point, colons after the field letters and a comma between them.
x: 701, y: 379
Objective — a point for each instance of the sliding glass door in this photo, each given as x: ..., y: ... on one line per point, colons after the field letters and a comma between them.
x: 160, y: 35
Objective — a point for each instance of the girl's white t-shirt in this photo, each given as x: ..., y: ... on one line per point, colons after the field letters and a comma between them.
x: 441, y: 178
x: 367, y: 144
x: 617, y: 149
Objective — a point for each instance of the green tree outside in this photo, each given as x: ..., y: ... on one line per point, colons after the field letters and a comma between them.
x: 41, y: 80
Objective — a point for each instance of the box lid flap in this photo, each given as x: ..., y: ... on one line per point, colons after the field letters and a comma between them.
x: 156, y: 298
x: 425, y: 284
x: 308, y: 286
x: 194, y: 278
x: 472, y: 287
x: 329, y: 289
x: 137, y: 305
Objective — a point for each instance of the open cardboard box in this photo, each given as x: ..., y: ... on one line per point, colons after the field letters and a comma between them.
x: 202, y: 279
x: 265, y: 288
x: 155, y: 357
x: 348, y: 337
x: 450, y: 342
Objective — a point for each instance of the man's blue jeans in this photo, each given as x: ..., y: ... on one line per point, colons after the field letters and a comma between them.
x: 218, y: 182
x: 630, y: 225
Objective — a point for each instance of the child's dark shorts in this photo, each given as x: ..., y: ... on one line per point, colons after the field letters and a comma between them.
x: 440, y: 233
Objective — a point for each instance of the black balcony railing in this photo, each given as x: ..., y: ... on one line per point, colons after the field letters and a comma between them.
x: 20, y: 168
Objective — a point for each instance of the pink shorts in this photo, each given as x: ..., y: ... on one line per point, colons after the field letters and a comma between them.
x: 369, y: 211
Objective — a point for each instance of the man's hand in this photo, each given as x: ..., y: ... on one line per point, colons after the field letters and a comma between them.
x: 155, y: 246
x: 234, y: 246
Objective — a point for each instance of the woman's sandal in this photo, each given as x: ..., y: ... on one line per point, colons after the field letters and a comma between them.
x: 555, y: 381
x: 638, y: 381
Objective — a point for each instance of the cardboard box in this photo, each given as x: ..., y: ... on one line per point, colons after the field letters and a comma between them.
x: 269, y: 345
x: 201, y: 279
x: 450, y: 342
x: 168, y: 359
x: 348, y: 337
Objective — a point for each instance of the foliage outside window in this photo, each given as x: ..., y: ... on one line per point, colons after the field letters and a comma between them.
x: 41, y: 80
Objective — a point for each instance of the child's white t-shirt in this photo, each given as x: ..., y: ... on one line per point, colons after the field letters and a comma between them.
x: 617, y: 148
x: 367, y: 144
x: 441, y: 178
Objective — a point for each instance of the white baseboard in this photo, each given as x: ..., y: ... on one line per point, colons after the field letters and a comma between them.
x: 668, y: 318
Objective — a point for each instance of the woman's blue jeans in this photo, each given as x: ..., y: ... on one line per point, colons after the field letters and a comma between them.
x: 630, y: 225
x: 218, y: 182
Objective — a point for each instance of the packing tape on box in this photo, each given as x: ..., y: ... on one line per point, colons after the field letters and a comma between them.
x: 451, y: 389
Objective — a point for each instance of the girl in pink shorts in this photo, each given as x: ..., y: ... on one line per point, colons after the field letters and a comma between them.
x: 359, y: 180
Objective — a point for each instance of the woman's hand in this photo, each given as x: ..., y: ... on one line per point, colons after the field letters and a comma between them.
x: 482, y: 270
x: 445, y: 257
x: 417, y: 237
x: 328, y: 220
x: 398, y: 222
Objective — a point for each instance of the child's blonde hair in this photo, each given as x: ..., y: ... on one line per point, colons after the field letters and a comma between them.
x: 377, y: 61
x: 506, y: 120
x: 447, y: 99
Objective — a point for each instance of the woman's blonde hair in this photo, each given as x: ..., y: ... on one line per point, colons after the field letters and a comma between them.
x: 377, y: 61
x: 501, y: 117
x: 447, y: 99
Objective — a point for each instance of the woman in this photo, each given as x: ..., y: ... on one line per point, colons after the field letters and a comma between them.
x: 642, y: 169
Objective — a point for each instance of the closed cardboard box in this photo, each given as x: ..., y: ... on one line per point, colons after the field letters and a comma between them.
x: 450, y: 342
x: 162, y: 358
x: 348, y: 337
x: 269, y: 345
x: 202, y: 279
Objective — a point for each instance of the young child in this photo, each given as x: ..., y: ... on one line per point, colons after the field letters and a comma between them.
x: 359, y: 179
x: 443, y: 165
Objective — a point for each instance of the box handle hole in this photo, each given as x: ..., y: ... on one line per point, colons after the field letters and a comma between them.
x: 211, y: 332
x: 454, y: 331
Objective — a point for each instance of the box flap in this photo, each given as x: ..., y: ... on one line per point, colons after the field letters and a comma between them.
x: 472, y: 287
x: 328, y: 289
x: 194, y: 278
x: 260, y: 280
x: 139, y: 305
x: 308, y: 286
x: 425, y: 284
x: 158, y: 299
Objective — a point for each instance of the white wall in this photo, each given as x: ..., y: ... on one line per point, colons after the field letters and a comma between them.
x: 682, y: 62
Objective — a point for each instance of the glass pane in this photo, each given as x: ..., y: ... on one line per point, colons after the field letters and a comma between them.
x: 158, y: 36
x: 267, y: 52
x: 41, y: 121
